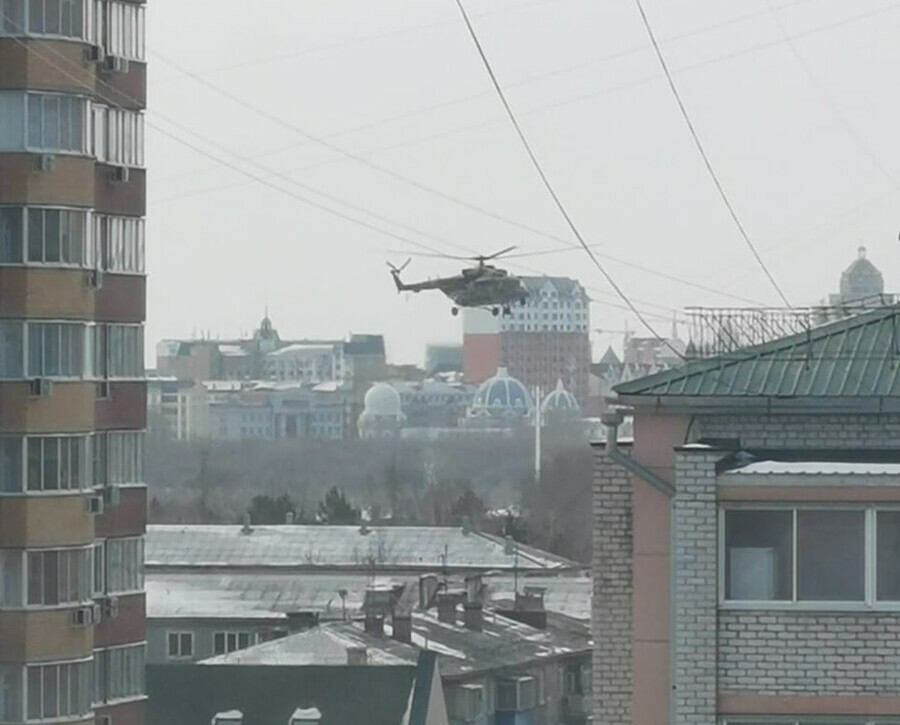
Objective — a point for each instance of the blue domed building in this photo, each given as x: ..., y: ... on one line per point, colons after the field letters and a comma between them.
x: 501, y: 401
x: 560, y: 404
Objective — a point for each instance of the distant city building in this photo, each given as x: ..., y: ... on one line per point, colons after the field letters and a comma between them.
x: 360, y: 359
x: 560, y: 405
x: 545, y: 340
x: 861, y: 283
x: 501, y: 401
x: 441, y: 359
x: 382, y: 415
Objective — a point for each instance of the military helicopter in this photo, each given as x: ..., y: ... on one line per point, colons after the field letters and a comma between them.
x: 483, y: 286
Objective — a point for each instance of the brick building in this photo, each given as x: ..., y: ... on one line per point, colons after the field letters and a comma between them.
x: 72, y: 391
x: 541, y: 342
x: 746, y: 544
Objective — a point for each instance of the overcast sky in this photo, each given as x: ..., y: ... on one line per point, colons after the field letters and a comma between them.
x: 797, y: 106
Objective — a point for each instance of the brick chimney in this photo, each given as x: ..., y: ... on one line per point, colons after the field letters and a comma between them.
x: 401, y: 625
x: 357, y: 655
x: 446, y: 606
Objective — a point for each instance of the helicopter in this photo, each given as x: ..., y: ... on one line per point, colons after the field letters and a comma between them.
x: 483, y: 286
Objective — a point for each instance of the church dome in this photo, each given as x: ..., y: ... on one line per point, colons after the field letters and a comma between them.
x: 861, y: 280
x: 560, y: 401
x: 383, y: 400
x: 502, y: 395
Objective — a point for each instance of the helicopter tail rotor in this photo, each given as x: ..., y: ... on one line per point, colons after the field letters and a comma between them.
x: 396, y: 271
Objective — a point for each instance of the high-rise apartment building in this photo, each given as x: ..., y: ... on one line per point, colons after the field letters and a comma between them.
x: 72, y: 391
x: 541, y: 342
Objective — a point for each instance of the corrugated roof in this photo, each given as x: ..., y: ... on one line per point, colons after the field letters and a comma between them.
x: 855, y: 357
x: 385, y: 548
x: 818, y: 468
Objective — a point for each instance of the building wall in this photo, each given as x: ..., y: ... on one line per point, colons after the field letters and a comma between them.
x: 481, y: 356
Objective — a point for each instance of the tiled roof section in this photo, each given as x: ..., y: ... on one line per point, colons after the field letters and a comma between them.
x: 564, y: 286
x: 855, y: 357
x: 335, y: 547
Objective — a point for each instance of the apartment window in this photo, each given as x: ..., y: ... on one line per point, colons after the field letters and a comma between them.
x: 98, y: 563
x: 56, y: 123
x: 12, y: 347
x: 119, y: 351
x: 118, y: 136
x: 57, y: 18
x: 57, y: 236
x: 516, y: 694
x: 120, y: 243
x: 59, y: 576
x: 225, y: 642
x: 119, y: 458
x: 119, y: 673
x: 11, y: 464
x: 58, y: 690
x: 11, y: 691
x: 180, y: 645
x: 11, y: 233
x: 10, y: 584
x: 122, y: 29
x: 55, y: 349
x: 124, y: 565
x: 57, y: 463
x: 808, y: 555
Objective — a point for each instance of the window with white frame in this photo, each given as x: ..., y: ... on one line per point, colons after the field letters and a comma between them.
x: 119, y: 673
x: 122, y: 31
x: 56, y: 349
x: 124, y: 565
x: 180, y: 645
x: 56, y: 123
x: 118, y: 136
x: 46, y: 236
x: 118, y: 458
x: 119, y: 243
x: 98, y: 564
x: 57, y: 463
x: 59, y: 690
x: 53, y: 18
x: 225, y: 642
x: 119, y: 351
x: 11, y: 693
x: 58, y: 576
x: 805, y: 555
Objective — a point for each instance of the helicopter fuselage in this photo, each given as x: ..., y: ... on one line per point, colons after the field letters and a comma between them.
x: 487, y: 289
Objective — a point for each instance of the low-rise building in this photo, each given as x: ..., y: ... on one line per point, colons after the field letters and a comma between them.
x: 745, y: 544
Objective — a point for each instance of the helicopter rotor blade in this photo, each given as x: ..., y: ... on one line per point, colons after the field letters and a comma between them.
x: 397, y: 270
x: 496, y: 254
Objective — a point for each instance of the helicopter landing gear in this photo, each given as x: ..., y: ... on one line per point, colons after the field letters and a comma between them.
x: 495, y: 311
x: 454, y: 311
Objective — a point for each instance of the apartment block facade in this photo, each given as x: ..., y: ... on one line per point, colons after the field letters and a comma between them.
x: 747, y: 543
x: 72, y: 391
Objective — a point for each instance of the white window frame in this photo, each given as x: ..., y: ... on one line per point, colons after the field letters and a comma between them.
x: 869, y: 601
x: 122, y: 29
x: 71, y: 553
x: 119, y: 681
x: 180, y: 654
x: 124, y: 565
x: 119, y: 244
x: 83, y: 365
x: 88, y: 244
x: 85, y: 663
x: 118, y: 136
x: 233, y: 637
x: 32, y: 97
x: 64, y: 443
x: 25, y: 31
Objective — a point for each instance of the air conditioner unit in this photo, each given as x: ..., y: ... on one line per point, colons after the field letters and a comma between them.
x: 45, y: 162
x: 115, y: 64
x: 120, y: 174
x: 41, y: 387
x: 111, y: 607
x: 94, y: 54
x: 111, y: 495
x: 86, y: 616
x: 94, y: 279
x: 94, y: 505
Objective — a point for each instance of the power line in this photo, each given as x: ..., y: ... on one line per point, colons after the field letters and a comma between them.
x: 704, y: 156
x: 262, y: 180
x: 549, y: 186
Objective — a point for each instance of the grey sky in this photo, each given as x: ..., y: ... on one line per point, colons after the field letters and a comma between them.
x: 795, y: 155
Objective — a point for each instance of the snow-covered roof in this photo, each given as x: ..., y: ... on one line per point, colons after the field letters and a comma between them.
x: 227, y: 350
x: 817, y: 468
x: 384, y: 548
x: 271, y: 595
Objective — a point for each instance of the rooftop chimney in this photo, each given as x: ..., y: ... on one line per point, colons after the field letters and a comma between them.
x: 529, y: 608
x: 246, y: 528
x: 230, y: 717
x: 474, y: 589
x: 357, y: 655
x: 428, y: 586
x: 289, y: 518
x: 446, y: 605
x: 306, y: 716
x: 473, y: 616
x: 401, y: 625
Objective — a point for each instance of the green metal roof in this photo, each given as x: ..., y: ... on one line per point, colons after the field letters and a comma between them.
x: 855, y: 357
